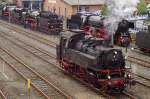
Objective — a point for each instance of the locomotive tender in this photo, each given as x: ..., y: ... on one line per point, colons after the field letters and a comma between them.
x: 143, y: 39
x: 93, y: 60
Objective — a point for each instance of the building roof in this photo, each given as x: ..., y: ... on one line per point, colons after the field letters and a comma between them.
x: 85, y: 2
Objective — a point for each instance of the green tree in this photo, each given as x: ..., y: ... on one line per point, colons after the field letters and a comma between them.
x: 104, y: 9
x: 142, y: 7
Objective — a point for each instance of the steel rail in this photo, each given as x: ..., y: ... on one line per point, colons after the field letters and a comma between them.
x: 27, y: 33
x: 35, y: 53
x: 53, y: 44
x: 30, y: 35
x: 2, y: 95
x: 139, y: 61
x: 38, y: 81
x: 47, y: 60
x: 127, y: 94
x: 47, y: 54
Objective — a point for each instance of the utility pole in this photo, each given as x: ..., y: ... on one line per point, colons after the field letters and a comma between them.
x: 78, y: 5
x: 112, y: 34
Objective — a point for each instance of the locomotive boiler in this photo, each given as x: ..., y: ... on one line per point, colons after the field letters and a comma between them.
x: 93, y: 60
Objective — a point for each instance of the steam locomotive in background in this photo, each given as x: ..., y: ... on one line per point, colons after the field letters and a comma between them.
x: 47, y: 22
x: 6, y: 9
x: 122, y: 36
x: 143, y: 39
x: 18, y: 15
x: 94, y: 25
x: 93, y: 60
x: 91, y: 24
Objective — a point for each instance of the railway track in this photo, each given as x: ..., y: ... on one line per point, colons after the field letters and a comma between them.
x: 139, y: 61
x: 2, y: 95
x: 128, y: 94
x: 137, y: 50
x: 47, y: 56
x: 53, y: 44
x: 30, y: 34
x: 43, y: 86
x: 138, y: 78
x: 42, y: 39
x: 142, y: 80
x: 136, y: 60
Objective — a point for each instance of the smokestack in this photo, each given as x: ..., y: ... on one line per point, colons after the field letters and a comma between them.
x: 117, y: 11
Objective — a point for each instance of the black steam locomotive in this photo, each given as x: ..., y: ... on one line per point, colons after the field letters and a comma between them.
x: 50, y: 22
x: 45, y: 21
x: 32, y: 18
x: 122, y: 35
x: 91, y: 24
x: 18, y: 15
x: 143, y: 39
x: 6, y: 10
x: 93, y: 60
x: 94, y: 25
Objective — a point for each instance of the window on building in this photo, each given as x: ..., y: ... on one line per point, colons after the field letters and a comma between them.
x: 87, y: 8
x: 36, y: 5
x: 83, y: 8
x: 26, y: 4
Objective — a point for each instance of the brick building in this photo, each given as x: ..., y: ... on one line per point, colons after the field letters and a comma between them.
x: 62, y: 7
x: 69, y: 7
x: 147, y: 1
x: 31, y: 4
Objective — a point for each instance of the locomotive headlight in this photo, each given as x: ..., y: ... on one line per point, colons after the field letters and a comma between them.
x: 115, y: 52
x: 109, y: 77
x: 129, y: 76
x: 132, y: 48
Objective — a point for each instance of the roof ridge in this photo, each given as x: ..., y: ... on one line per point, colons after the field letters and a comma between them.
x: 85, y: 2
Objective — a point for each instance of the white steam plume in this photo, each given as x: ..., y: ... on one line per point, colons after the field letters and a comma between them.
x: 118, y: 10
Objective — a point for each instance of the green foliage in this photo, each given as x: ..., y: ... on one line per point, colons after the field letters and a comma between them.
x: 104, y: 9
x: 142, y: 7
